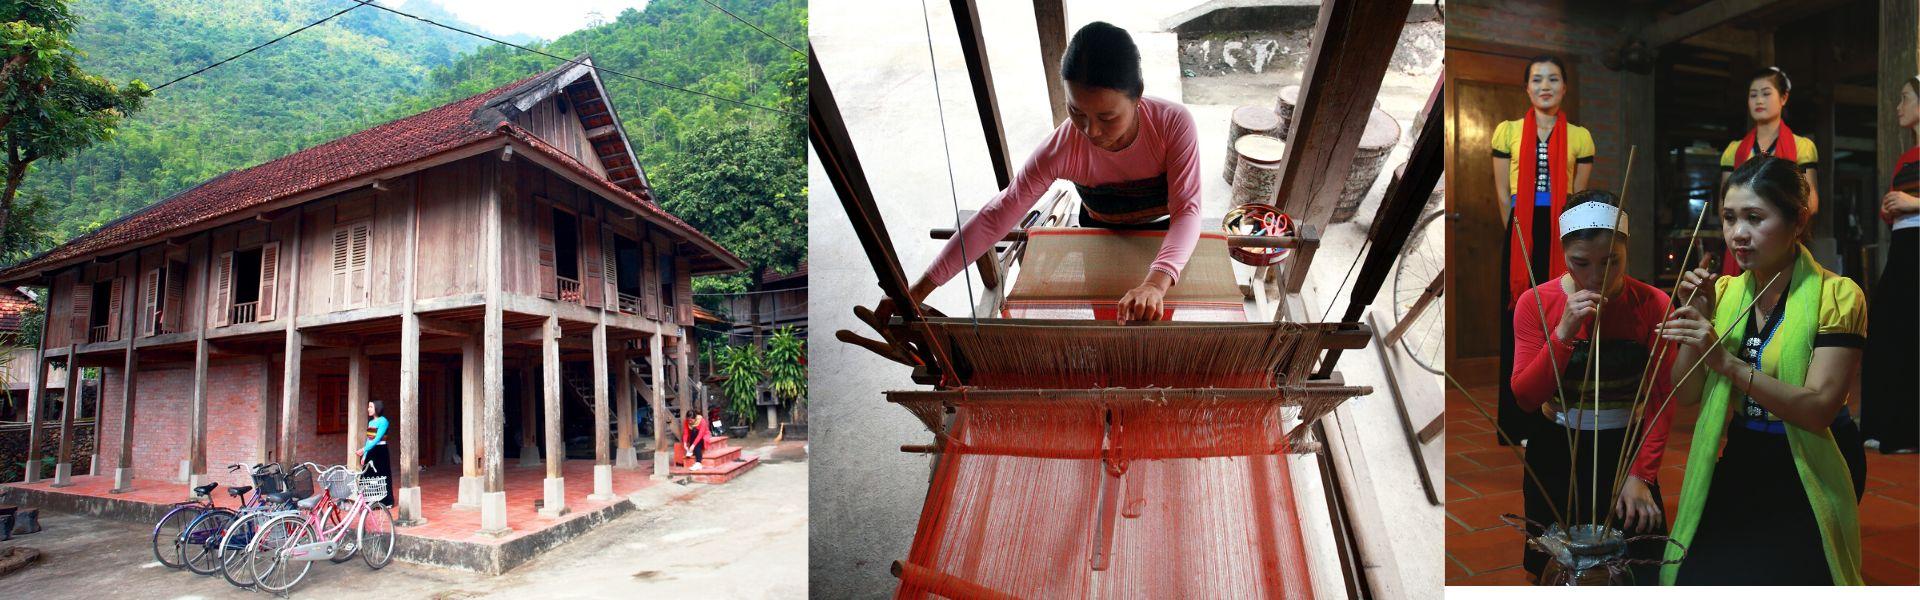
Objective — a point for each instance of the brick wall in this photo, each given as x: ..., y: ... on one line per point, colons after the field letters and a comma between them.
x: 162, y: 423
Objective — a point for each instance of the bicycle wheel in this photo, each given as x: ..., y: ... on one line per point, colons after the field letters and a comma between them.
x: 271, y: 570
x: 347, y: 548
x: 1418, y: 283
x: 166, y: 534
x: 233, y: 549
x: 200, y: 545
x: 376, y: 537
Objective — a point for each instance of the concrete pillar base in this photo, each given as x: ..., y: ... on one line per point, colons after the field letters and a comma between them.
x: 554, y: 504
x: 626, y: 458
x: 33, y: 474
x: 409, y: 505
x: 93, y: 466
x: 62, y: 474
x: 660, y: 465
x: 530, y: 455
x: 122, y: 481
x: 493, y: 514
x: 602, y: 483
x: 469, y: 493
x: 186, y: 472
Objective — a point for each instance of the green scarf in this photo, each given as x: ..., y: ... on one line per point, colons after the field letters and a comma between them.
x: 1823, y: 472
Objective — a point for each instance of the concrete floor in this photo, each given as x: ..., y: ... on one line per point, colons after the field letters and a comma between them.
x: 743, y: 539
x: 867, y: 495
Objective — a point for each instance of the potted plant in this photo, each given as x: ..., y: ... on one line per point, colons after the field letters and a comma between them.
x: 743, y: 367
x: 787, y: 370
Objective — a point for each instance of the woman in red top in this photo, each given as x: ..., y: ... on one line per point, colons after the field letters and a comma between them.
x: 1888, y: 415
x: 695, y: 439
x: 1554, y: 346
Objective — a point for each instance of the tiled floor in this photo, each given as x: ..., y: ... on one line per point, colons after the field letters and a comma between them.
x: 438, y: 489
x: 1483, y: 481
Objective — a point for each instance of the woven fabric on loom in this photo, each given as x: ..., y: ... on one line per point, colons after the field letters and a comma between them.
x: 1016, y: 353
x: 1080, y: 273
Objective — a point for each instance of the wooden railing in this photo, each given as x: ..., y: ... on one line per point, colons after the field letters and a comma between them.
x: 243, y: 312
x: 97, y: 334
x: 631, y: 304
x: 569, y: 290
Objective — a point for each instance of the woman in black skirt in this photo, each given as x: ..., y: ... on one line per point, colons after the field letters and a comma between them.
x: 1887, y: 404
x: 374, y: 459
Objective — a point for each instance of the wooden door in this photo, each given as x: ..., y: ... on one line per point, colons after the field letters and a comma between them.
x: 1485, y: 85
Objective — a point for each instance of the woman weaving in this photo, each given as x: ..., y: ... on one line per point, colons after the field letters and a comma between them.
x: 1134, y: 160
x: 1778, y: 347
x: 1554, y: 158
x: 1552, y: 375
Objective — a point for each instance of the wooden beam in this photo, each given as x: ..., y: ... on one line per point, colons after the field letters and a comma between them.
x: 129, y: 392
x: 408, y: 469
x: 1050, y: 18
x: 973, y: 47
x: 1700, y: 18
x: 36, y: 395
x: 529, y: 414
x: 1352, y: 42
x: 445, y: 327
x: 602, y: 449
x: 493, y: 499
x: 602, y: 131
x: 329, y: 340
x: 290, y: 397
x: 69, y: 399
x: 661, y: 448
x: 196, y: 463
x: 555, y: 501
x: 358, y: 371
x: 469, y: 423
x: 624, y: 455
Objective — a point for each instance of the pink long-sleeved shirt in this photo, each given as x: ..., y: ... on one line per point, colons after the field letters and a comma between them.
x: 1166, y: 146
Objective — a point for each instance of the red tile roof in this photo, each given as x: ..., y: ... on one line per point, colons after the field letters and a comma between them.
x: 769, y: 275
x: 13, y: 307
x: 396, y: 143
x: 703, y: 315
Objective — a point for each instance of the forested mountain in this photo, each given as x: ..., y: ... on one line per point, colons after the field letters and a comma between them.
x: 737, y: 173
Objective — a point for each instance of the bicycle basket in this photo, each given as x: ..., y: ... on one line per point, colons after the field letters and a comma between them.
x: 301, y: 484
x: 339, y: 483
x: 373, y: 489
x: 268, y: 481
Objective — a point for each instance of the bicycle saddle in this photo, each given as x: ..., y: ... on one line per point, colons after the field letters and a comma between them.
x: 204, y: 489
x: 239, y: 491
x: 280, y: 497
x: 309, y: 502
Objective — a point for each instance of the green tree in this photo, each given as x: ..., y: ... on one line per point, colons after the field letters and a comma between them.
x: 743, y: 367
x: 787, y: 370
x: 49, y: 107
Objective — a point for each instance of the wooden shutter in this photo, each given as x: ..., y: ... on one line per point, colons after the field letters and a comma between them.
x: 269, y: 280
x: 350, y: 270
x: 593, y: 283
x: 173, y: 305
x: 610, y: 265
x: 683, y: 287
x: 650, y: 280
x: 543, y: 222
x: 342, y: 240
x: 150, y: 301
x: 360, y: 260
x: 222, y: 289
x: 82, y: 310
x: 115, y: 307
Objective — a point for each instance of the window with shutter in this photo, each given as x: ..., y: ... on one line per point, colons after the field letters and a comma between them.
x: 593, y: 282
x: 544, y: 252
x: 82, y: 311
x: 610, y: 266
x: 150, y: 302
x: 115, y: 308
x: 173, y: 304
x: 269, y: 280
x: 360, y: 263
x: 342, y: 237
x: 222, y: 289
x: 350, y: 265
x: 683, y: 285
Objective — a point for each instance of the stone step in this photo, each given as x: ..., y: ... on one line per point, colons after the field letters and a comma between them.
x: 717, y: 474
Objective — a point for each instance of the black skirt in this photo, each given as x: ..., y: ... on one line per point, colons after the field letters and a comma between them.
x: 382, y: 466
x: 1516, y: 424
x: 1757, y: 527
x: 1889, y: 412
x: 1548, y: 458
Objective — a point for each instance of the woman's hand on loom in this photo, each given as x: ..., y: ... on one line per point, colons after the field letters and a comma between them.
x: 1635, y: 506
x: 1146, y: 302
x: 1581, y: 306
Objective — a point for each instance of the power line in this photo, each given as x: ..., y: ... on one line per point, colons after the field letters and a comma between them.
x: 575, y: 62
x: 358, y: 4
x: 755, y: 27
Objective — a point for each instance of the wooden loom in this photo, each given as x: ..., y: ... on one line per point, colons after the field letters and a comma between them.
x: 1120, y: 430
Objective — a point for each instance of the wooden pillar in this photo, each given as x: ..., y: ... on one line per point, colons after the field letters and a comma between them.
x: 662, y: 449
x: 70, y: 402
x: 358, y: 373
x: 290, y: 395
x: 682, y: 374
x: 1050, y: 17
x: 129, y: 391
x: 623, y: 453
x: 529, y: 418
x: 602, y: 451
x: 36, y: 395
x: 555, y: 502
x: 194, y: 468
x: 493, y: 498
x: 408, y: 467
x: 470, y: 484
x: 1352, y: 42
x: 973, y: 47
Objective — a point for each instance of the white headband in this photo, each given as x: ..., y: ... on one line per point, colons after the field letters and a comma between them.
x: 1592, y: 215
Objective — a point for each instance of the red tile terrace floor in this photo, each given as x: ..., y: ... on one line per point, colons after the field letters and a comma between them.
x: 438, y: 489
x: 1483, y: 481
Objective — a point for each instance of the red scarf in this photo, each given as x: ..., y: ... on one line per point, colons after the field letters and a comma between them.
x: 1558, y: 180
x: 1741, y: 153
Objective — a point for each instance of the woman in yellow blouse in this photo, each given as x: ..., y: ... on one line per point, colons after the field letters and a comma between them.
x: 1778, y: 349
x: 1538, y: 160
x: 1766, y: 103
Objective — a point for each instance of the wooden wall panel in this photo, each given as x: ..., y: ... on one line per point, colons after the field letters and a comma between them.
x: 449, y: 258
x: 563, y: 130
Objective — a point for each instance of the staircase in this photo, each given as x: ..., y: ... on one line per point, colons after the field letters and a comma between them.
x: 722, y: 462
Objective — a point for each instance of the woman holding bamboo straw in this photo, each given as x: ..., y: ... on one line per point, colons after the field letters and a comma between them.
x: 1778, y: 347
x: 1553, y: 157
x: 1593, y: 413
x: 1134, y: 160
x: 1889, y: 413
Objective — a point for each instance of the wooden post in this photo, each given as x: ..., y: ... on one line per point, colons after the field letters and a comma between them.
x: 70, y: 401
x: 602, y: 454
x: 529, y: 418
x: 129, y: 386
x: 973, y: 47
x: 408, y: 469
x: 195, y: 466
x: 493, y: 498
x: 555, y: 485
x: 1050, y: 18
x: 683, y: 374
x: 1351, y: 45
x: 623, y: 453
x: 290, y: 394
x: 662, y: 449
x: 470, y: 483
x: 358, y: 372
x: 36, y: 394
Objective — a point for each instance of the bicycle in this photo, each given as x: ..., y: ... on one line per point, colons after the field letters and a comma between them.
x: 172, y: 527
x: 200, y: 541
x: 281, y: 492
x: 283, y: 550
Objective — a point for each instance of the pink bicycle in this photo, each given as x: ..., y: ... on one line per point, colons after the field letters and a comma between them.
x: 349, y: 503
